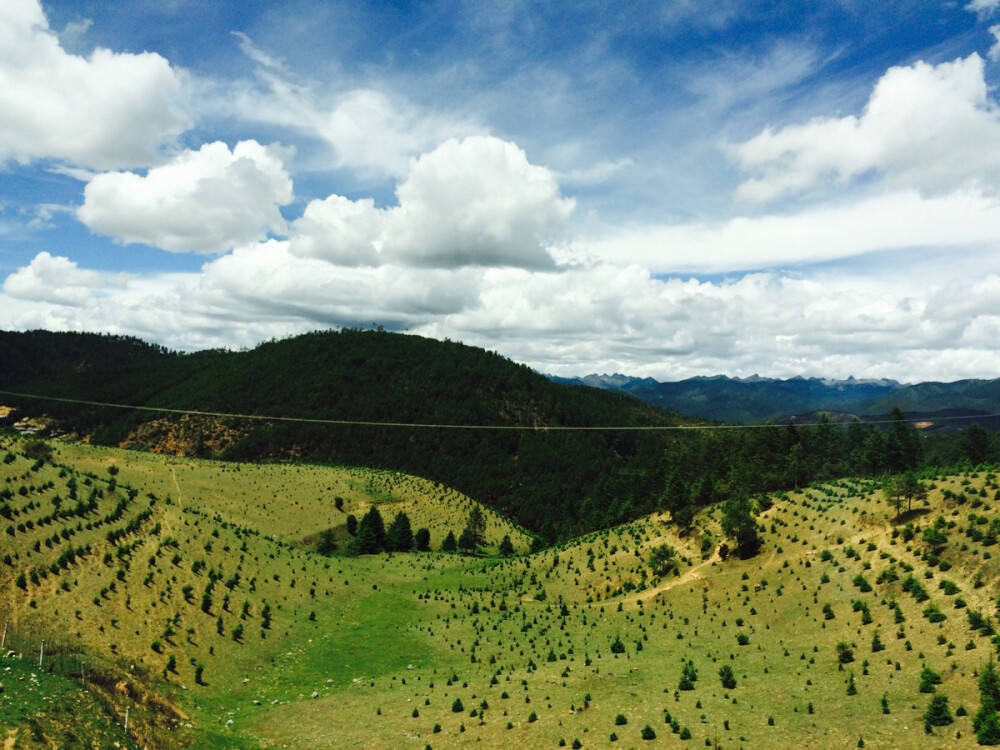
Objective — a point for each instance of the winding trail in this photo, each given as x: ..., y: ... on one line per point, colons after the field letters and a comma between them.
x: 691, y: 574
x: 180, y: 504
x: 177, y: 486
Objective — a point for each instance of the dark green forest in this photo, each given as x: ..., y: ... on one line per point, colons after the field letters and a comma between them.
x: 556, y: 483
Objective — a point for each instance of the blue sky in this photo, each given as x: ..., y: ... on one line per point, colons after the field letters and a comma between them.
x: 663, y: 189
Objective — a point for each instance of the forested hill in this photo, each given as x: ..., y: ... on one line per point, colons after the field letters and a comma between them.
x: 537, y: 477
x: 556, y: 483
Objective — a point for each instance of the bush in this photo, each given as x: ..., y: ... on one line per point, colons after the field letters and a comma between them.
x: 38, y: 450
x: 938, y: 714
x: 727, y: 677
x: 620, y: 720
x: 688, y: 677
x: 663, y: 560
x: 933, y: 613
x: 457, y: 706
x: 649, y: 734
x: 422, y: 539
x: 877, y: 644
x: 845, y: 654
x: 928, y: 679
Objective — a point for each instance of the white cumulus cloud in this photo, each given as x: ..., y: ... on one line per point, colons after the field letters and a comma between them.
x: 341, y: 231
x: 478, y: 201
x: 58, y: 280
x: 602, y: 317
x: 930, y: 127
x: 107, y: 110
x: 207, y: 201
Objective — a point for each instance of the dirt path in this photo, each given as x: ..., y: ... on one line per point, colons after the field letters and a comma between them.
x: 692, y: 574
x: 180, y: 504
x: 10, y: 741
x: 177, y: 486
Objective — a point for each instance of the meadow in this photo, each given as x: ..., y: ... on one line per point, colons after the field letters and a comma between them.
x: 191, y: 593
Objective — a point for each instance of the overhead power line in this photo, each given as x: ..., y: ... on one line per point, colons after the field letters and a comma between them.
x: 442, y: 426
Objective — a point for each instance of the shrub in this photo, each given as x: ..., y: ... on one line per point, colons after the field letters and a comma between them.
x: 845, y: 654
x: 938, y: 714
x: 663, y: 560
x: 933, y: 613
x: 649, y: 734
x: 422, y: 539
x: 727, y: 677
x: 928, y: 679
x: 688, y: 677
x: 449, y: 544
x: 877, y: 644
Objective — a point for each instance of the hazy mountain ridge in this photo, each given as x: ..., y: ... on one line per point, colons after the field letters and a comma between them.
x: 762, y: 399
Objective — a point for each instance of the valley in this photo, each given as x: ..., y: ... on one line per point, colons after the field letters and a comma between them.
x: 190, y: 593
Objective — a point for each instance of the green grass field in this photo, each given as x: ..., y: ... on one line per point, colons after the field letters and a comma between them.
x: 573, y: 645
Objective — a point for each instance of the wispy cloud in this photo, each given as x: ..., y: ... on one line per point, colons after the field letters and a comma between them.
x: 252, y: 51
x: 903, y: 219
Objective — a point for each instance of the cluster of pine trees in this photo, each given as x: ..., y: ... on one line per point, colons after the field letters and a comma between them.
x: 371, y: 536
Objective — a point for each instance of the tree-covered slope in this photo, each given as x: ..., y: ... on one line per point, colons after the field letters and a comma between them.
x: 462, y: 416
x: 537, y: 477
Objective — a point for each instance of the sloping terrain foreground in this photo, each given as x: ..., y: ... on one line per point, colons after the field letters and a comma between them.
x: 190, y: 595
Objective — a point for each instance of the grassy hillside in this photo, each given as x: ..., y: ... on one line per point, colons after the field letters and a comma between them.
x: 576, y: 643
x: 172, y: 576
x: 42, y: 710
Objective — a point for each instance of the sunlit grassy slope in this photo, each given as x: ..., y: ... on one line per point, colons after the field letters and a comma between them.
x: 405, y: 650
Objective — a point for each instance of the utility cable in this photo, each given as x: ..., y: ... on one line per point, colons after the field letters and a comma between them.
x: 445, y: 426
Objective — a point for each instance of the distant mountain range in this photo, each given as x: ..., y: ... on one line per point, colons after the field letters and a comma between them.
x: 756, y: 399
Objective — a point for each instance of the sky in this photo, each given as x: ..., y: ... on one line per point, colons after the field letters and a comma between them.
x: 660, y: 189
